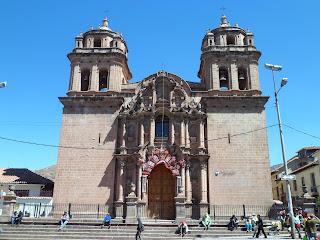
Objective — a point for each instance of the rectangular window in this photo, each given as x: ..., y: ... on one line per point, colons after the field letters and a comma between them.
x: 302, y: 181
x: 295, y: 185
x: 278, y: 195
x: 313, y: 180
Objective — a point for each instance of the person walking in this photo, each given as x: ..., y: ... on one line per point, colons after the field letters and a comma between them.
x: 140, y: 228
x: 311, y: 227
x: 14, y: 217
x: 260, y: 227
x: 297, y: 224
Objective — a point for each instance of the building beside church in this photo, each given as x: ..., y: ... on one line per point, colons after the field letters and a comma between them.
x: 164, y: 147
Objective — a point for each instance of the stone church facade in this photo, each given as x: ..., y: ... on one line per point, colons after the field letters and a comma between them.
x: 164, y: 147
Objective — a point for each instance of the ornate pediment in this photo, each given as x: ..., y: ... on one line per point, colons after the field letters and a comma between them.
x: 162, y: 90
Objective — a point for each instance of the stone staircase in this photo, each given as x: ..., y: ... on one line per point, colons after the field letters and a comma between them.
x: 118, y: 231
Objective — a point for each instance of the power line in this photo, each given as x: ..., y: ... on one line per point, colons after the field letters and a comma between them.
x: 300, y: 131
x: 112, y: 149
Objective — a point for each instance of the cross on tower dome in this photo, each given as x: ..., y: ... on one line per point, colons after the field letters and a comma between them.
x: 105, y: 24
x: 224, y: 21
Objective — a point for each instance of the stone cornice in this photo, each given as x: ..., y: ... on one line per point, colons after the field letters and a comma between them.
x: 234, y: 101
x: 92, y: 101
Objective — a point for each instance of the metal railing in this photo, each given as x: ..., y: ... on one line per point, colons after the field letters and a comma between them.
x: 153, y: 210
x: 85, y: 211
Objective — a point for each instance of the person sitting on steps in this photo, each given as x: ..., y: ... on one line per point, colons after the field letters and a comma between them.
x: 206, y: 221
x: 106, y: 221
x: 64, y: 220
x: 182, y: 228
x: 233, y: 223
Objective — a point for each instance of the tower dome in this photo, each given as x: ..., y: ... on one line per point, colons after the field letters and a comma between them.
x: 229, y: 59
x: 99, y: 61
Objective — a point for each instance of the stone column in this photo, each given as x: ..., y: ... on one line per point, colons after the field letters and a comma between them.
x: 94, y: 81
x: 172, y: 140
x: 120, y: 179
x: 115, y: 78
x: 152, y: 131
x: 187, y: 137
x: 254, y: 76
x: 201, y: 134
x: 139, y: 166
x: 142, y: 203
x: 204, y: 186
x: 76, y: 78
x: 180, y: 200
x: 188, y: 191
x: 234, y: 76
x: 203, y: 176
x: 144, y: 183
x: 123, y: 136
x: 188, y: 183
x: 183, y: 180
x: 154, y: 94
x: 141, y: 142
x: 182, y: 134
x: 215, y: 77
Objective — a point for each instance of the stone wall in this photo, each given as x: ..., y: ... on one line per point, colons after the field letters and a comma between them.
x: 86, y: 175
x: 238, y: 171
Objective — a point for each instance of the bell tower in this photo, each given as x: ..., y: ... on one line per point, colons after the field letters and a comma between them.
x: 229, y: 60
x: 99, y: 62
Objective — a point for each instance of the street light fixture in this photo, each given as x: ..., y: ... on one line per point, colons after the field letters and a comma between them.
x: 3, y: 84
x: 284, y: 81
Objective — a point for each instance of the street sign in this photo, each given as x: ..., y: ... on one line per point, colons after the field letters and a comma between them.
x: 288, y: 177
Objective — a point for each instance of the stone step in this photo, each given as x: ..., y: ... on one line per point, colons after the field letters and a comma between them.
x: 117, y: 232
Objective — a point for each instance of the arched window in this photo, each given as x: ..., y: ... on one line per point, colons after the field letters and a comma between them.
x: 230, y: 40
x: 224, y: 79
x: 242, y: 79
x: 210, y: 42
x: 103, y: 80
x: 162, y: 127
x: 97, y: 43
x: 85, y: 76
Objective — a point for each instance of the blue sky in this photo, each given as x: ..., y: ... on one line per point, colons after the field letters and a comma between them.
x: 37, y: 35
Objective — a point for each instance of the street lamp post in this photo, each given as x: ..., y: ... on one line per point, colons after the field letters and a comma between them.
x: 3, y: 84
x: 284, y: 81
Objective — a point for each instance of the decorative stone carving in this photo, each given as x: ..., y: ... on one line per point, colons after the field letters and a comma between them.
x: 159, y: 156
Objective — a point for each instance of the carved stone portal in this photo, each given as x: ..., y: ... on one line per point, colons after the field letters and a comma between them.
x: 159, y: 156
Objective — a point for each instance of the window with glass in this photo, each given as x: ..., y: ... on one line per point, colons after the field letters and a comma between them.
x: 162, y: 127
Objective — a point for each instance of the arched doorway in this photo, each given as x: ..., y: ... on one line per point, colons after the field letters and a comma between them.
x: 161, y: 193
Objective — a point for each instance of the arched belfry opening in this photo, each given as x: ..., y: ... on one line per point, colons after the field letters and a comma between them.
x: 224, y: 79
x: 161, y: 193
x: 103, y: 80
x: 85, y: 76
x: 242, y: 79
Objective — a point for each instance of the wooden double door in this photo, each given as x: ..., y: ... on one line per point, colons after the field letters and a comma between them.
x: 161, y: 193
